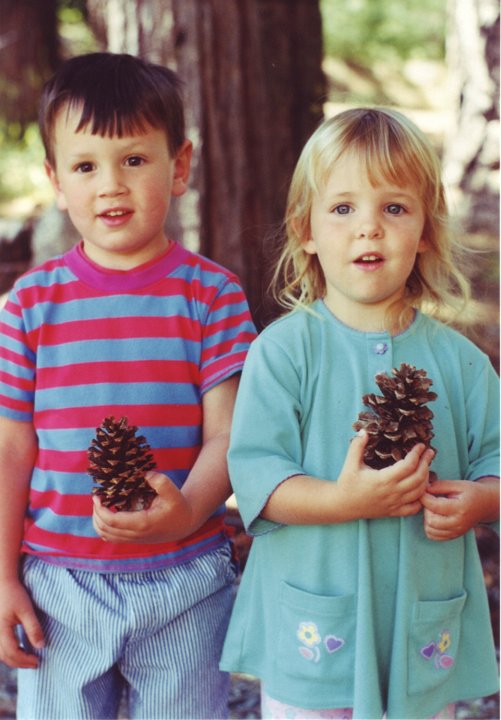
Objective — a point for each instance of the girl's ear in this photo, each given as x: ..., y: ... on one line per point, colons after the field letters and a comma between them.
x: 307, y: 242
x: 60, y: 197
x: 309, y: 246
x: 422, y: 245
x: 182, y: 164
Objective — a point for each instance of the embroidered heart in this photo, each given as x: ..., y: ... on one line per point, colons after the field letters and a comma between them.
x: 446, y: 661
x: 428, y: 650
x: 333, y: 643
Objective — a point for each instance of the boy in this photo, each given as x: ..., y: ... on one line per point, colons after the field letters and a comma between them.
x: 128, y: 323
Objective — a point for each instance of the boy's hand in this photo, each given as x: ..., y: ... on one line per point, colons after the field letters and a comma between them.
x: 452, y: 507
x: 16, y: 609
x: 169, y: 517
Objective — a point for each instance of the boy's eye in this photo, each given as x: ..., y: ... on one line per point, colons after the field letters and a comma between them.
x: 395, y: 209
x: 134, y: 161
x: 84, y: 167
x: 341, y: 209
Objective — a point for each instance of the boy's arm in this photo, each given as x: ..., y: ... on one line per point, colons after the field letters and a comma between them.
x: 18, y: 447
x: 175, y: 513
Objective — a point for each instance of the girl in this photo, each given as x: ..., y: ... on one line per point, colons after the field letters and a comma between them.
x: 363, y: 593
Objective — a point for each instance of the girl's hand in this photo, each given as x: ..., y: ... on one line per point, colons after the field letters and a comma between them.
x: 360, y: 492
x: 169, y: 517
x: 452, y: 507
x: 395, y: 491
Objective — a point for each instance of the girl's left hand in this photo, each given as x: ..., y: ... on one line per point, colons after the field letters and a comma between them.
x: 452, y: 507
x: 169, y: 517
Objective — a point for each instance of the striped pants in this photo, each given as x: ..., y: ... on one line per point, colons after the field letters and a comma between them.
x: 159, y: 634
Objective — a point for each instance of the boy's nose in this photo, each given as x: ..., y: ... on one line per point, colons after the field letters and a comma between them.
x: 111, y: 183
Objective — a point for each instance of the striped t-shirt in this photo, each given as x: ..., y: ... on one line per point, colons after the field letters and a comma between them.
x: 79, y: 343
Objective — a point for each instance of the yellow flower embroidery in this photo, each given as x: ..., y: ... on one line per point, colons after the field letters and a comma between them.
x: 307, y: 633
x: 444, y: 642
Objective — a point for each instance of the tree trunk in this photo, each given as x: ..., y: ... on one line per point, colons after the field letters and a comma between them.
x: 29, y: 54
x: 471, y: 158
x: 254, y: 91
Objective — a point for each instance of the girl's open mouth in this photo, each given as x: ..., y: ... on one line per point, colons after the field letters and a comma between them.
x: 369, y: 260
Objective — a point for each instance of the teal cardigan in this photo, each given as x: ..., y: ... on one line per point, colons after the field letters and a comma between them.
x: 367, y: 614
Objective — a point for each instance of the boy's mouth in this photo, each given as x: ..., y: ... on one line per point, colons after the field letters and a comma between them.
x: 114, y: 213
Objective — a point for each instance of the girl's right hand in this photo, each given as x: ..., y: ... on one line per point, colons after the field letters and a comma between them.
x: 16, y: 609
x: 395, y: 491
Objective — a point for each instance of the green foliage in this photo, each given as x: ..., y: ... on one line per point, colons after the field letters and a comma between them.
x: 21, y: 167
x: 364, y: 31
x: 74, y: 32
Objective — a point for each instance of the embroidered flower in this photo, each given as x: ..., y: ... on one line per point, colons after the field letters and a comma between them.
x: 445, y: 641
x: 307, y: 633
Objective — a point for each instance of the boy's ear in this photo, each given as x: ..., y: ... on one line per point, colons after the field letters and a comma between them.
x: 52, y: 175
x: 182, y: 164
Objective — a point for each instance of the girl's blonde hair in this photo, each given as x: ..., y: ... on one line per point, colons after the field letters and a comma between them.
x: 395, y: 150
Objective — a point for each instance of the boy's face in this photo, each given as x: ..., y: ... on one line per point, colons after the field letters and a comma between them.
x: 117, y: 191
x: 366, y: 238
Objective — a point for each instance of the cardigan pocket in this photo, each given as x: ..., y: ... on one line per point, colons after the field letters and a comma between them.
x: 316, y: 638
x: 433, y: 642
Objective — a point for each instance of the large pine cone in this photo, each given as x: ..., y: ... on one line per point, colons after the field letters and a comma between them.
x: 118, y: 462
x: 399, y: 418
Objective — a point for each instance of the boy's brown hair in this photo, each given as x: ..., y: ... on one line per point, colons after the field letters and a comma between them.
x: 118, y: 95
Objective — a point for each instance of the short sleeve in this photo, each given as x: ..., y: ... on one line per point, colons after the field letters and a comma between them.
x: 227, y: 332
x: 483, y: 424
x: 17, y: 364
x: 265, y: 445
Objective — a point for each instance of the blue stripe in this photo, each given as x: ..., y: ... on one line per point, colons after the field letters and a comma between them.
x: 130, y: 349
x: 64, y: 482
x: 75, y: 525
x: 178, y: 436
x: 110, y: 393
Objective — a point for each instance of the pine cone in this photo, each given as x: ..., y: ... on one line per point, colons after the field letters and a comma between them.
x: 118, y: 462
x: 399, y: 418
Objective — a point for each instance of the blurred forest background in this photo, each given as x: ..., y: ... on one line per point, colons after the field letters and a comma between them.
x: 259, y: 76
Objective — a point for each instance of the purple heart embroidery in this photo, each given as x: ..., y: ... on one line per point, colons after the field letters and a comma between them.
x: 428, y: 650
x: 333, y: 643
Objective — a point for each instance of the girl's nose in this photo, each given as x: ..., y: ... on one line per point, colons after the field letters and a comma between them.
x: 369, y: 229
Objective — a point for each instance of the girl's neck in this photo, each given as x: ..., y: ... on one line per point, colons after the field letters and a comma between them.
x: 372, y: 319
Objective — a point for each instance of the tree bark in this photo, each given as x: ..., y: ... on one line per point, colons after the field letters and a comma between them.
x: 29, y: 54
x: 471, y: 157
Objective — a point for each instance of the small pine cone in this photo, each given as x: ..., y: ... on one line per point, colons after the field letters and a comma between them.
x: 118, y: 462
x: 399, y: 418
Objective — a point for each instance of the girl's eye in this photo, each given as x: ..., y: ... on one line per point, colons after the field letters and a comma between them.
x: 134, y: 161
x: 84, y: 167
x: 395, y: 209
x: 341, y: 209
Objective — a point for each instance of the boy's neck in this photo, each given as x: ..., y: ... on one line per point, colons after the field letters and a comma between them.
x: 124, y: 261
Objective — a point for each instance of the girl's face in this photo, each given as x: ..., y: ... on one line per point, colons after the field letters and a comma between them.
x: 366, y: 239
x: 117, y: 190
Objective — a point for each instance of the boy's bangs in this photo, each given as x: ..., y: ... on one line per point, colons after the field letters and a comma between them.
x: 109, y: 121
